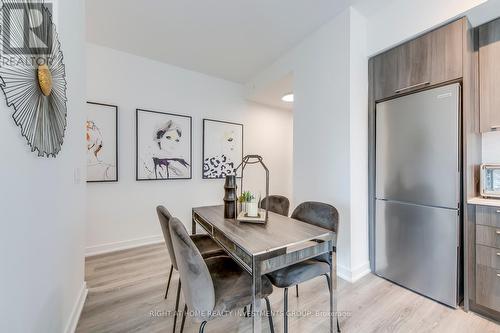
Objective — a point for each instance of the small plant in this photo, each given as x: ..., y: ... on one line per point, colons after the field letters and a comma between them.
x: 246, y: 197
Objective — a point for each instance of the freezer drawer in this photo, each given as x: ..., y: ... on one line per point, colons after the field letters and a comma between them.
x: 417, y: 148
x: 417, y: 247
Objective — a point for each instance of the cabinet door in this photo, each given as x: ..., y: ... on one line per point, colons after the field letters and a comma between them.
x: 489, y: 76
x: 414, y: 64
x: 447, y: 52
x: 385, y: 72
x: 433, y: 58
x: 488, y: 287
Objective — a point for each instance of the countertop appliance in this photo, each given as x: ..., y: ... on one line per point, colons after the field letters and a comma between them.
x: 417, y: 206
x: 490, y: 180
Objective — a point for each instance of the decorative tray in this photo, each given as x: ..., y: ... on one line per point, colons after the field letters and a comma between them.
x: 261, y: 218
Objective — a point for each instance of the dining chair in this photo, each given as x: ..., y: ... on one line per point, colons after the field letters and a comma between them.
x: 212, y: 286
x: 277, y: 204
x: 206, y: 245
x: 321, y: 215
x: 280, y: 205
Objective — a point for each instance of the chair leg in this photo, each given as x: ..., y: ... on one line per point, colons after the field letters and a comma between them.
x: 285, y: 310
x: 248, y: 310
x: 184, y: 315
x: 169, y: 278
x: 202, y: 327
x: 270, y: 315
x: 177, y: 304
x: 297, y: 290
x: 328, y: 280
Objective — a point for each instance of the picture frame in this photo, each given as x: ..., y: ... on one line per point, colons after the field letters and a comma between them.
x: 102, y: 158
x: 164, y: 146
x: 222, y: 148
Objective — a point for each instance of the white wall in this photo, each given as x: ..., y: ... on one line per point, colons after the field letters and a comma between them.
x: 330, y: 128
x: 123, y: 214
x: 42, y: 209
x: 321, y: 124
x: 358, y: 102
x: 491, y: 147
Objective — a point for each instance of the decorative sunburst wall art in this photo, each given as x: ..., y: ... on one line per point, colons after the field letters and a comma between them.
x: 32, y: 74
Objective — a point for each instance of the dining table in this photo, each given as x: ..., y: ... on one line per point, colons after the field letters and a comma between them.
x: 263, y: 248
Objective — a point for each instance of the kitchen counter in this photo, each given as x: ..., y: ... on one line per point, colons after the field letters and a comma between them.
x: 484, y: 202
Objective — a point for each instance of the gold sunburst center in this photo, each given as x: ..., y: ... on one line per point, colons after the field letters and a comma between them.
x: 44, y: 79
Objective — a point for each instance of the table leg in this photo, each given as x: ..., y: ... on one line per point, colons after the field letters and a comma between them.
x: 256, y: 300
x: 333, y: 294
x: 193, y: 226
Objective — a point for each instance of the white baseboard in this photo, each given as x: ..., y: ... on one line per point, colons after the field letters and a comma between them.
x: 344, y: 273
x: 360, y: 271
x: 355, y: 274
x: 77, y: 309
x: 122, y: 245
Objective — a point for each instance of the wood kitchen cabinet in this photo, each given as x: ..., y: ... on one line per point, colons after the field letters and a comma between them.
x: 447, y: 52
x: 489, y: 76
x: 488, y: 258
x: 430, y: 59
x: 385, y: 67
x: 414, y: 64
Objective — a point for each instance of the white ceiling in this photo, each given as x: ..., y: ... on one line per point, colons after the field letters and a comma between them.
x: 271, y: 95
x: 231, y: 39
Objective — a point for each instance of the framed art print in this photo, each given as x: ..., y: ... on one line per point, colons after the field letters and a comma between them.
x: 222, y: 148
x: 163, y: 146
x: 102, y: 142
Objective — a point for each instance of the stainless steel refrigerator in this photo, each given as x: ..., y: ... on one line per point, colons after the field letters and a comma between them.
x: 417, y: 209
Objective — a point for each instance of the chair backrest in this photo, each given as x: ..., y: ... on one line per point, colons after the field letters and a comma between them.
x: 197, y: 285
x: 277, y: 204
x: 164, y: 216
x: 317, y: 213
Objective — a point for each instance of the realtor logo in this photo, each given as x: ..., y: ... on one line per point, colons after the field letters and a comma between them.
x: 26, y: 28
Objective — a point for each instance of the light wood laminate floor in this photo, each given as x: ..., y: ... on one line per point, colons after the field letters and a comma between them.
x: 126, y: 287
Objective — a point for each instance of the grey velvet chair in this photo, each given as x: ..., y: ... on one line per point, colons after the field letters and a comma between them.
x: 277, y: 204
x: 321, y: 215
x: 204, y: 243
x: 214, y: 285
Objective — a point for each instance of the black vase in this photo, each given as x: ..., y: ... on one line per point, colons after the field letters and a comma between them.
x: 230, y: 197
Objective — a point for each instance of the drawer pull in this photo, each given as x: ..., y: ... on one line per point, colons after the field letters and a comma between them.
x: 498, y: 211
x: 498, y: 274
x: 495, y: 127
x: 498, y: 254
x: 498, y: 232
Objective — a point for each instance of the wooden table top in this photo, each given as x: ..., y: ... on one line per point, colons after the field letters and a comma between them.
x: 279, y: 232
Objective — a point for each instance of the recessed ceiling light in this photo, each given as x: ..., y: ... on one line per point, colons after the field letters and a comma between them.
x: 287, y: 98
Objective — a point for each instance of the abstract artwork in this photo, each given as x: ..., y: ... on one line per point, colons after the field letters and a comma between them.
x: 33, y: 75
x: 163, y: 143
x: 102, y: 142
x: 222, y: 148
